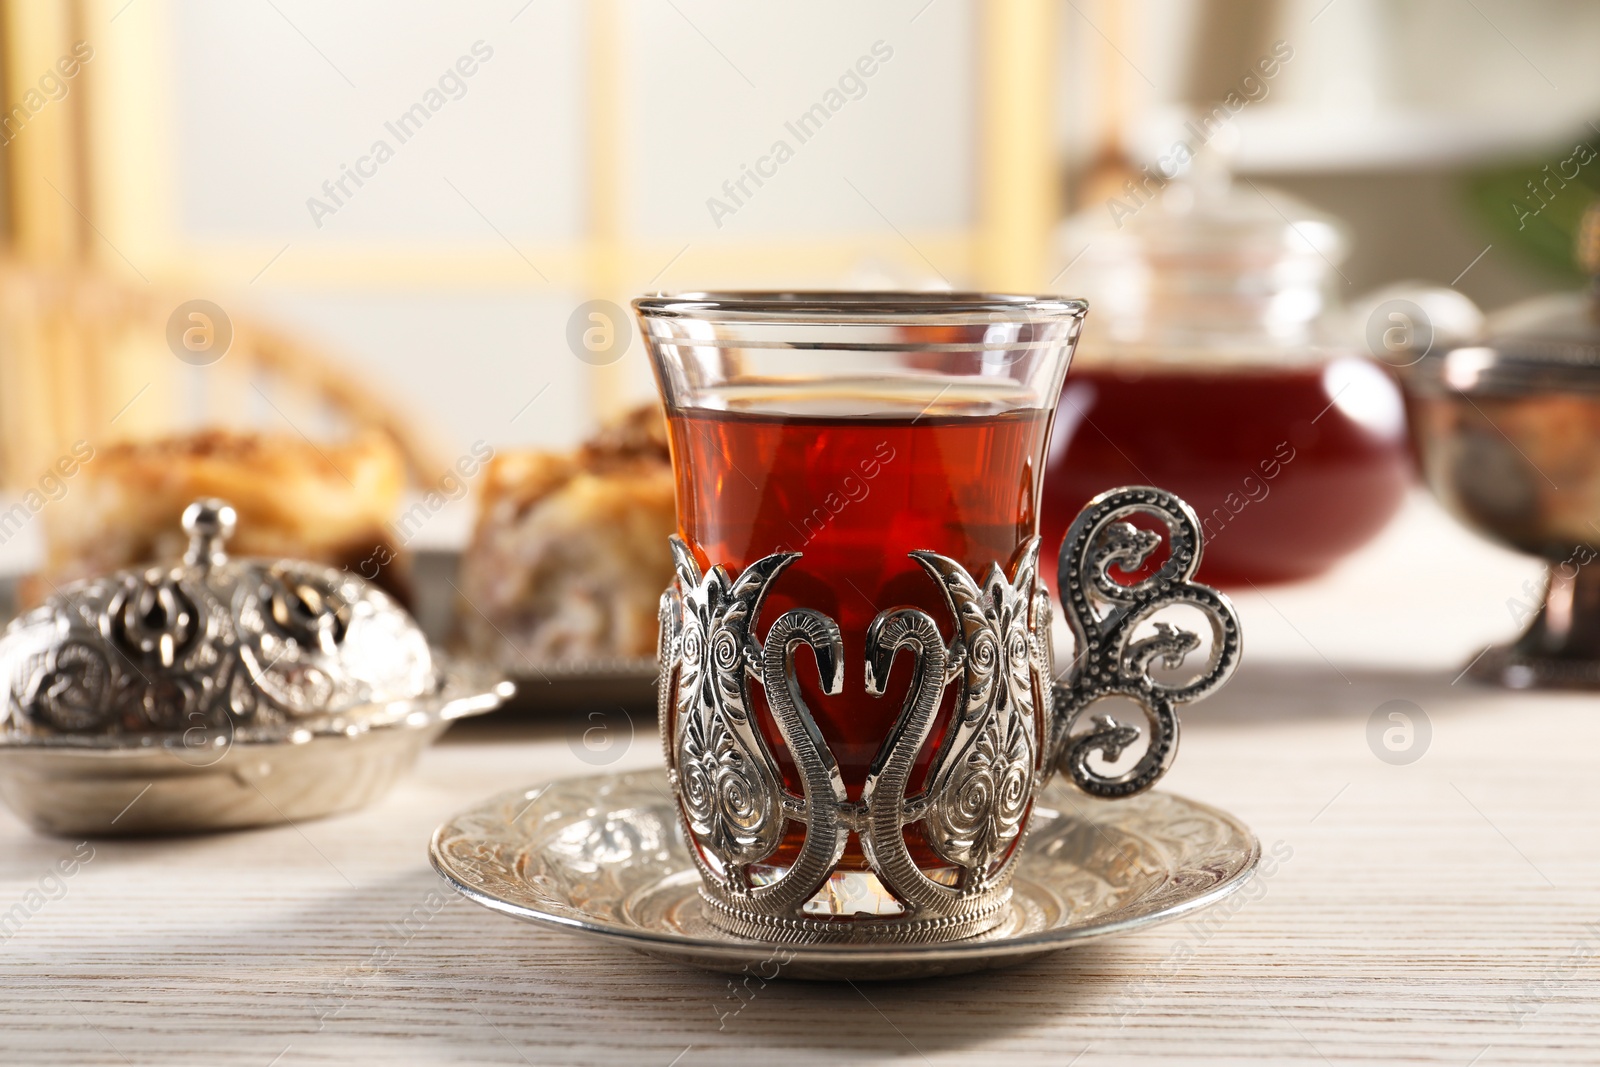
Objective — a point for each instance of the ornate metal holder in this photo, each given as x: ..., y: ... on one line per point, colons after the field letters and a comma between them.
x: 1012, y: 724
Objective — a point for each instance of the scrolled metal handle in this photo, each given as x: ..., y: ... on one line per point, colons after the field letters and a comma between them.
x: 1104, y: 614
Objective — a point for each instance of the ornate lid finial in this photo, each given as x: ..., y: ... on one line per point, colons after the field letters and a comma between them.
x: 209, y: 522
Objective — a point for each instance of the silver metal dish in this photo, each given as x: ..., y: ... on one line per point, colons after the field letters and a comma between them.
x: 160, y: 700
x: 604, y: 857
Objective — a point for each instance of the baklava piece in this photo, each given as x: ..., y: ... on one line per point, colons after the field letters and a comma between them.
x: 329, y: 503
x: 570, y: 554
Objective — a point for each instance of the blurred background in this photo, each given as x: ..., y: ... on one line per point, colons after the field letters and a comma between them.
x: 398, y: 212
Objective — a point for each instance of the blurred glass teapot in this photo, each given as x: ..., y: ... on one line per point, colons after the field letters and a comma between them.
x: 1210, y: 366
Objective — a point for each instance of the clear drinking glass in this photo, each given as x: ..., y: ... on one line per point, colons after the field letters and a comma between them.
x: 856, y: 685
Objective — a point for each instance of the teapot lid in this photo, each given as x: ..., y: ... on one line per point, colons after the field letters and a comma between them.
x: 1550, y: 342
x: 1204, y: 261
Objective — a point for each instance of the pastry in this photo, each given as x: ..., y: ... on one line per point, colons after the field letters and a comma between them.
x: 570, y: 553
x: 330, y: 503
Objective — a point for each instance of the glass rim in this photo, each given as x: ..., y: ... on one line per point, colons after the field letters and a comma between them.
x: 844, y: 306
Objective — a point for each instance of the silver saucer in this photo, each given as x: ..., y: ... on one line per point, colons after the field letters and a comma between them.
x: 604, y: 857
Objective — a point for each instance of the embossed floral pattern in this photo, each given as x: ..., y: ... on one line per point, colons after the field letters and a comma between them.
x: 188, y: 652
x: 728, y: 785
x: 985, y: 772
x: 719, y: 786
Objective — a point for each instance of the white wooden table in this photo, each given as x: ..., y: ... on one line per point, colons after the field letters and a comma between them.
x: 1446, y: 911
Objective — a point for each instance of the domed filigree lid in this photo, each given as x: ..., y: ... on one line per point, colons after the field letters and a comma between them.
x: 1547, y: 344
x: 263, y: 648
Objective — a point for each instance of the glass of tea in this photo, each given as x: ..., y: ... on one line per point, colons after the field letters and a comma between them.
x: 857, y: 705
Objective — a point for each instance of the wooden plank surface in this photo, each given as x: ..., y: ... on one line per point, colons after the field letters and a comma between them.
x: 1446, y: 911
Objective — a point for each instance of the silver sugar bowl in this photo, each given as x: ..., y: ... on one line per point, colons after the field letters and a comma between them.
x: 218, y: 693
x: 1507, y: 428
